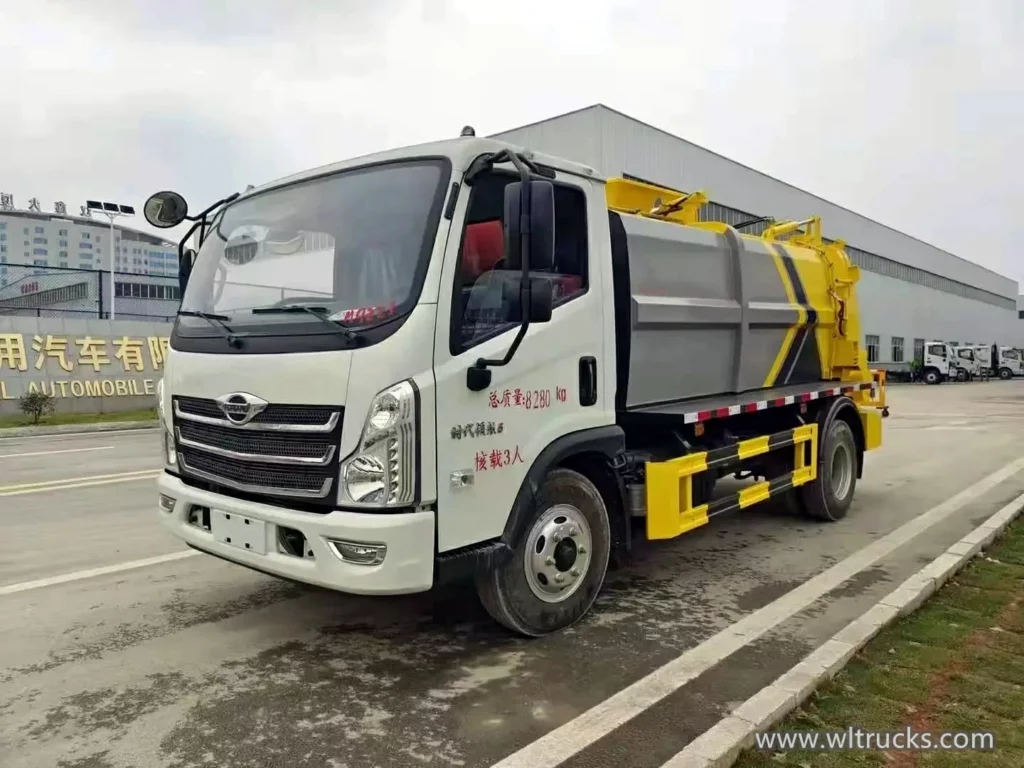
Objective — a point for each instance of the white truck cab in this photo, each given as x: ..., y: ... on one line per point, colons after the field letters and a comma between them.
x: 1009, y: 362
x: 466, y: 360
x: 965, y: 359
x: 939, y: 362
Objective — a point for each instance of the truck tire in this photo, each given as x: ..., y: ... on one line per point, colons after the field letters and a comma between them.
x: 961, y: 374
x: 829, y: 497
x: 1005, y: 374
x: 932, y: 376
x: 558, y: 563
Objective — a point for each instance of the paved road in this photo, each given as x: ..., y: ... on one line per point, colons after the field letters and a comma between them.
x: 196, y: 662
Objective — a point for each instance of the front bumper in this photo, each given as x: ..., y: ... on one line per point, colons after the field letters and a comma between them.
x: 407, y: 566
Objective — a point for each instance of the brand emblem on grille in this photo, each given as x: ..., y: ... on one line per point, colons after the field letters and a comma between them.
x: 241, y: 407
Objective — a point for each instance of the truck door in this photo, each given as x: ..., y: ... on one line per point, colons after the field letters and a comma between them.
x: 559, y: 380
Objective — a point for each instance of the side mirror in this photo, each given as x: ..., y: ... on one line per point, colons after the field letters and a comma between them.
x: 165, y: 210
x: 541, y: 301
x: 185, y: 269
x: 541, y: 217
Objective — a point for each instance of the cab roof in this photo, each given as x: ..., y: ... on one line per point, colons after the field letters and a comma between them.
x: 460, y: 151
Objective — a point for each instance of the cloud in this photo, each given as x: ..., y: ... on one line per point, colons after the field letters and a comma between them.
x: 910, y: 118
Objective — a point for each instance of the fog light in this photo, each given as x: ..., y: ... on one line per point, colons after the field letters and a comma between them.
x: 358, y: 553
x: 166, y: 503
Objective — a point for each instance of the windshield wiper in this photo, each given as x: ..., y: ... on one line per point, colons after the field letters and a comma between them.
x: 217, y: 321
x: 352, y: 333
x: 320, y: 313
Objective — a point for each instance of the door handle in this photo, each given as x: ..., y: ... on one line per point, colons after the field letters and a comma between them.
x: 588, y: 380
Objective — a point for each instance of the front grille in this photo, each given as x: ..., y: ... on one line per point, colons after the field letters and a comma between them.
x: 272, y: 447
x: 286, y: 415
x: 286, y: 452
x: 255, y: 477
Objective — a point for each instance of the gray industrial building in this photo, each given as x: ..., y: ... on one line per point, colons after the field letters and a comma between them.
x: 909, y: 291
x: 1018, y: 340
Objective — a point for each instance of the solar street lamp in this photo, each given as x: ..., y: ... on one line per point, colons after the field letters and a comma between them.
x: 111, y: 211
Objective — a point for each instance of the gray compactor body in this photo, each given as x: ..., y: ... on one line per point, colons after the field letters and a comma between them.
x: 700, y: 314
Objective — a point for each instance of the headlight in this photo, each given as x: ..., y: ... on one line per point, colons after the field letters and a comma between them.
x: 382, y: 471
x: 170, y: 453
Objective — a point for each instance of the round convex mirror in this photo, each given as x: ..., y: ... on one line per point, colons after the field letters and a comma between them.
x: 166, y: 209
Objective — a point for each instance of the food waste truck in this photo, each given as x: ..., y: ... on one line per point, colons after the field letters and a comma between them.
x: 466, y: 360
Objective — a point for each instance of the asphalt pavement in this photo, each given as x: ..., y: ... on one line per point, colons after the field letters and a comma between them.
x: 119, y: 647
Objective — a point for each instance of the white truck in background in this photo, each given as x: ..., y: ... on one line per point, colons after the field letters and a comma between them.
x: 1004, y: 362
x: 939, y: 363
x: 966, y: 365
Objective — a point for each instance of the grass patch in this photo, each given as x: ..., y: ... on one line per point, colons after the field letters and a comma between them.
x: 148, y: 414
x: 956, y: 664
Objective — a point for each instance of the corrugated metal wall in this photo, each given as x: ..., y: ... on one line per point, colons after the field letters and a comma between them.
x: 910, y: 289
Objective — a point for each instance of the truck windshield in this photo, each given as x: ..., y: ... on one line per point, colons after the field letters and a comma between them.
x: 353, y: 244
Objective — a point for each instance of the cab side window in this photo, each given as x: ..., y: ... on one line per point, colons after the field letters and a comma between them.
x: 485, y: 300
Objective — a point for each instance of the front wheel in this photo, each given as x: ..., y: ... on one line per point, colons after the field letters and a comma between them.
x: 931, y: 376
x: 1005, y: 374
x: 830, y: 495
x: 560, y: 557
x: 961, y: 374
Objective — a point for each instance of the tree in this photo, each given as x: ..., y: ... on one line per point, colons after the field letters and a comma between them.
x: 37, y: 405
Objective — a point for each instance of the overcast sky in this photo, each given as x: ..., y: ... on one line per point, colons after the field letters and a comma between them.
x: 911, y: 113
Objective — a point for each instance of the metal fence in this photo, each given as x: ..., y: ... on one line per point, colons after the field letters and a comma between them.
x: 38, y: 291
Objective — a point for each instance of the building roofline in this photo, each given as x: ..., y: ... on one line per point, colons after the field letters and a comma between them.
x: 600, y: 105
x: 83, y: 220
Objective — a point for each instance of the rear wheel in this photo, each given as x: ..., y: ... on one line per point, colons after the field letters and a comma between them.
x: 559, y: 560
x: 830, y: 495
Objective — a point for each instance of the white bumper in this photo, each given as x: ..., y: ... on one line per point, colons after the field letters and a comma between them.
x: 408, y: 564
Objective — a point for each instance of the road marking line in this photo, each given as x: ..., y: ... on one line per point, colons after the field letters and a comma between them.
x: 51, y: 453
x: 577, y: 734
x: 792, y: 688
x: 77, y: 482
x: 88, y: 434
x: 25, y: 586
x: 79, y: 485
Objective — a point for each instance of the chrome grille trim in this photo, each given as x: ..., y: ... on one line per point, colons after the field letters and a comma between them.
x: 259, y: 457
x: 287, y: 452
x: 257, y: 489
x: 260, y: 426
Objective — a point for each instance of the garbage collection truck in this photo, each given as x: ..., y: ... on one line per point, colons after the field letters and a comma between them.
x: 965, y: 364
x: 466, y: 360
x: 939, y: 363
x: 1004, y: 362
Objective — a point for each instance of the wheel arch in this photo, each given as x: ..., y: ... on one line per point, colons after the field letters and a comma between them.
x: 589, y: 452
x: 845, y: 409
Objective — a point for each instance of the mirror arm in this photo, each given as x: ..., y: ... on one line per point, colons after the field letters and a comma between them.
x: 478, y: 377
x: 200, y: 221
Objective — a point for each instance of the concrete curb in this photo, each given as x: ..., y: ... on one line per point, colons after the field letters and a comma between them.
x: 721, y: 745
x: 77, y: 429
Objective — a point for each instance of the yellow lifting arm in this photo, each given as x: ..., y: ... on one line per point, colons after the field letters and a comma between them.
x: 642, y: 199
